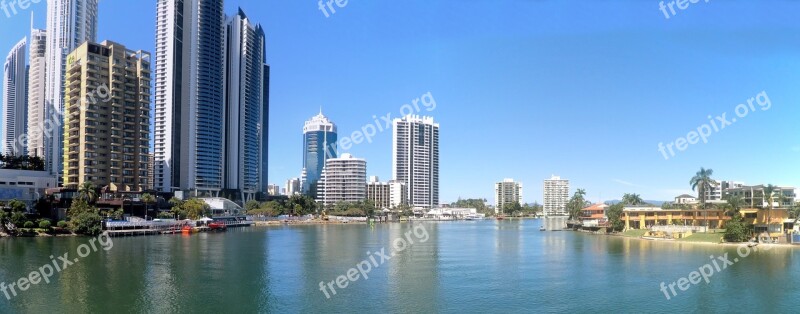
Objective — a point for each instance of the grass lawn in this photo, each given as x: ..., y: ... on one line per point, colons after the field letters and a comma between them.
x: 703, y: 237
x: 634, y: 233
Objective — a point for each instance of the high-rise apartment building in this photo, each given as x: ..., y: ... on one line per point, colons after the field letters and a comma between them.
x: 319, y: 145
x: 415, y: 159
x: 556, y: 196
x: 15, y: 102
x: 386, y: 195
x: 36, y: 93
x: 107, y: 117
x: 343, y: 180
x: 507, y: 192
x: 70, y: 23
x: 264, y: 132
x: 244, y: 48
x: 190, y: 96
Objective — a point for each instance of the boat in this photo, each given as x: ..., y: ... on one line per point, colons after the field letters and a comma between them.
x: 217, y: 226
x: 187, y: 230
x: 752, y: 244
x: 500, y: 217
x: 542, y: 228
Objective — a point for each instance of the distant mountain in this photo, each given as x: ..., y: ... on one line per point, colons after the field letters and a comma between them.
x: 656, y: 203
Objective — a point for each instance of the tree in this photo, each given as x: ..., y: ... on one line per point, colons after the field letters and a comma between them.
x: 84, y: 219
x: 512, y: 208
x: 614, y: 213
x: 87, y: 192
x: 251, y: 205
x: 769, y: 198
x: 703, y: 182
x: 18, y: 218
x: 576, y: 204
x: 195, y: 208
x: 147, y: 199
x: 17, y: 206
x: 734, y: 205
x: 632, y: 199
x: 736, y: 230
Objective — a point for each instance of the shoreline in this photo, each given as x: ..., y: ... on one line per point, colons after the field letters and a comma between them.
x: 737, y: 244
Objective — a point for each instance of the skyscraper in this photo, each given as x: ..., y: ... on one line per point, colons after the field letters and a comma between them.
x: 507, y: 192
x: 36, y: 90
x: 244, y: 47
x: 15, y: 101
x: 107, y: 125
x: 556, y: 196
x: 343, y: 179
x: 263, y: 177
x: 69, y: 24
x: 415, y: 159
x: 319, y: 144
x: 190, y: 96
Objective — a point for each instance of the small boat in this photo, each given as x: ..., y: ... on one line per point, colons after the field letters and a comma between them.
x: 187, y: 230
x: 542, y: 228
x: 752, y: 244
x: 217, y: 226
x: 500, y: 217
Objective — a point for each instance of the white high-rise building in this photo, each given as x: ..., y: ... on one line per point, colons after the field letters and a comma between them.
x: 415, y: 159
x: 190, y: 96
x: 15, y: 101
x: 244, y: 48
x: 343, y: 179
x: 507, y: 192
x: 36, y: 90
x: 556, y: 196
x: 70, y: 23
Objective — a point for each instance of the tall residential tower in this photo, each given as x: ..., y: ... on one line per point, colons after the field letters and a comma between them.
x: 15, y: 101
x: 36, y: 90
x: 190, y: 96
x: 107, y: 125
x: 70, y: 23
x: 415, y: 159
x: 244, y: 112
x: 556, y: 196
x: 507, y: 192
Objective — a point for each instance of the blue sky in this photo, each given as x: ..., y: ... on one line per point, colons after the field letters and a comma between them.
x: 526, y: 89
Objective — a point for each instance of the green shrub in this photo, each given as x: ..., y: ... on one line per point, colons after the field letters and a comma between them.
x: 28, y: 224
x: 62, y: 224
x: 45, y: 224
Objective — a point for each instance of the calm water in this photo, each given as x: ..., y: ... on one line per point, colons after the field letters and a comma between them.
x: 464, y: 267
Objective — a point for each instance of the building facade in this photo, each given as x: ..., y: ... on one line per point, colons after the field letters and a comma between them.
x: 70, y: 23
x: 754, y: 196
x: 190, y: 96
x: 24, y: 185
x: 415, y: 159
x: 293, y: 186
x: 107, y: 117
x: 386, y: 195
x: 343, y: 180
x: 36, y: 93
x: 507, y: 192
x: 244, y: 48
x: 319, y: 145
x: 15, y: 102
x: 273, y: 190
x: 556, y: 196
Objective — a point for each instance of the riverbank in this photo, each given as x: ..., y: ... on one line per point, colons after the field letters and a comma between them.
x: 307, y: 222
x: 701, y: 240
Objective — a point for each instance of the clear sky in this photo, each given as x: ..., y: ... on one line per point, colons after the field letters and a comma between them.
x: 525, y: 89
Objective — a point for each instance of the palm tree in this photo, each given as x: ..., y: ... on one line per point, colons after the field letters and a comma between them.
x: 87, y: 192
x: 735, y: 203
x: 632, y: 199
x: 702, y: 182
x: 147, y: 199
x: 769, y: 197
